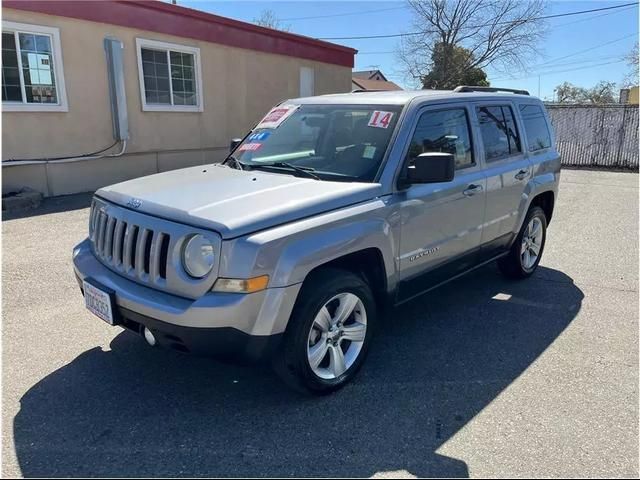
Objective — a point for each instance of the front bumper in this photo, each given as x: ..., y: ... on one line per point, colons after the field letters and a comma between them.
x: 228, y: 325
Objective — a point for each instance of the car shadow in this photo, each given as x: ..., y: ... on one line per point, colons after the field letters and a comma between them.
x: 63, y: 203
x: 435, y: 364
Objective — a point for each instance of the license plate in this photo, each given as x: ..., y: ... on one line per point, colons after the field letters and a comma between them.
x: 99, y: 302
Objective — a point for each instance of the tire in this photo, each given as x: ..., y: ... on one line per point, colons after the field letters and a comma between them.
x: 310, y: 331
x: 521, y: 261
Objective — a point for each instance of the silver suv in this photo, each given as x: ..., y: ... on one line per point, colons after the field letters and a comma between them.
x: 330, y: 209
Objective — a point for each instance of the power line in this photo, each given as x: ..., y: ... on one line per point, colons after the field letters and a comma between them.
x: 553, y: 60
x: 552, y: 27
x: 545, y: 17
x: 553, y: 72
x: 375, y: 53
x: 631, y: 7
x: 344, y: 14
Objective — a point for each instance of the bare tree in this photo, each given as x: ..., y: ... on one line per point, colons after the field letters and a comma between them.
x: 501, y: 33
x: 268, y: 19
x: 602, y: 92
x: 633, y: 61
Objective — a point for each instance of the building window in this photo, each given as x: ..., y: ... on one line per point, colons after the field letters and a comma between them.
x: 32, y: 76
x: 170, y: 76
x: 307, y: 82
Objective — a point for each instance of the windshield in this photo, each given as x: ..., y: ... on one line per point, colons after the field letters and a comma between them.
x: 333, y: 142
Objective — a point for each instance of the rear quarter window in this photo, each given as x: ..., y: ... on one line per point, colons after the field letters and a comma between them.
x: 499, y: 133
x: 536, y: 128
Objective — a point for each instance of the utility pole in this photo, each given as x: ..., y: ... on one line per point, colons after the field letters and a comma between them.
x: 538, y: 86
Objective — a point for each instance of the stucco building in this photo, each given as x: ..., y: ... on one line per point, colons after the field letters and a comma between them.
x: 179, y: 83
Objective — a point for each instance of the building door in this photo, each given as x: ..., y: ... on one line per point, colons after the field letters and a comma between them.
x: 307, y: 82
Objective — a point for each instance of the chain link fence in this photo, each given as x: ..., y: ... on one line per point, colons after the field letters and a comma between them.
x: 596, y: 135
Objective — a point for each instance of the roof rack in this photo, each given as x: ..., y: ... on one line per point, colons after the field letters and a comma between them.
x: 465, y: 88
x: 363, y: 90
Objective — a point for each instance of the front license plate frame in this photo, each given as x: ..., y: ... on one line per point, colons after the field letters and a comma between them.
x: 101, y: 301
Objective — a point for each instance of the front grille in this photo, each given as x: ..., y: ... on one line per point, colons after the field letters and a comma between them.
x: 146, y: 249
x: 134, y: 250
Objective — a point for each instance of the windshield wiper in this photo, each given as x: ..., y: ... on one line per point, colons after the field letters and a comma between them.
x: 238, y: 164
x: 307, y: 171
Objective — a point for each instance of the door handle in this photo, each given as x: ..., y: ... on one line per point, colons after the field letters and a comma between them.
x: 522, y: 174
x: 472, y: 190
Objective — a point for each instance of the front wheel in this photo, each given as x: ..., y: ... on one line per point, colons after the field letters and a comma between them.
x: 526, y: 251
x: 329, y: 332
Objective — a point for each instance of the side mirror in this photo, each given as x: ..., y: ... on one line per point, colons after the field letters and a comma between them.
x: 234, y: 143
x: 431, y: 167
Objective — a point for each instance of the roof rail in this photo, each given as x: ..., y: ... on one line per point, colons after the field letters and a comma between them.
x: 362, y: 90
x: 465, y: 88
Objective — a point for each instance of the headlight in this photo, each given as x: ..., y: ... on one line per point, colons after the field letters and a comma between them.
x: 198, y: 256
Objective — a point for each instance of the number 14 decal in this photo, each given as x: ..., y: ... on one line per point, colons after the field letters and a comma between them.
x: 380, y: 119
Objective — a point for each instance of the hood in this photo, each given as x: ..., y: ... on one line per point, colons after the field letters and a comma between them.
x: 234, y: 202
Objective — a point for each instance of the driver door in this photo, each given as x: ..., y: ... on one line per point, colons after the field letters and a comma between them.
x: 441, y: 222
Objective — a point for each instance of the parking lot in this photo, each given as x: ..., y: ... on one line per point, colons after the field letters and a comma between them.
x: 483, y: 377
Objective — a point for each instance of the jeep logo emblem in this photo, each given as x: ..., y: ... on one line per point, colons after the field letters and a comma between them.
x: 134, y: 203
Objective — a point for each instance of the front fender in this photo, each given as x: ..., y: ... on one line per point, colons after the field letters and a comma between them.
x: 302, y: 255
x: 289, y: 252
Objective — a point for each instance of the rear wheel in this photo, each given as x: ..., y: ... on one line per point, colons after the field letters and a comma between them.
x: 526, y: 251
x: 329, y: 332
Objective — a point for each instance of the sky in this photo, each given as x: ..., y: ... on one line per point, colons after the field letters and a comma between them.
x: 581, y: 49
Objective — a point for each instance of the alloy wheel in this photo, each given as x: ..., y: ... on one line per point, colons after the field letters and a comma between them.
x: 337, y: 336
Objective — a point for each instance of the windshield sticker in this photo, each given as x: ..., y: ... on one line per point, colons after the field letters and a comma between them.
x: 249, y: 147
x: 369, y: 152
x: 380, y: 119
x: 258, y: 137
x: 277, y: 115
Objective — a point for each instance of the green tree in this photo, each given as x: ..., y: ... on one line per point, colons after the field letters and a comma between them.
x: 602, y: 92
x: 569, y: 93
x: 452, y: 66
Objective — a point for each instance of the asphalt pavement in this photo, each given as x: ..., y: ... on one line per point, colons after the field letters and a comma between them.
x: 482, y: 378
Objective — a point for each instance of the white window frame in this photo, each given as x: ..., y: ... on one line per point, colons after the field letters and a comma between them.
x: 156, y: 45
x: 58, y: 71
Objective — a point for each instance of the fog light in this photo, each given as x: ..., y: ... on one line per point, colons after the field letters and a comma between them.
x: 149, y: 337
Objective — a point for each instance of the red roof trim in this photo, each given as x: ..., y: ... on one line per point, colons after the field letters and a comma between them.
x: 156, y: 16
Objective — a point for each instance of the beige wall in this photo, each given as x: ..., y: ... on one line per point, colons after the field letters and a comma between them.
x: 239, y: 87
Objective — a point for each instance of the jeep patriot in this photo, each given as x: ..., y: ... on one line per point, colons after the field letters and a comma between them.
x: 331, y: 208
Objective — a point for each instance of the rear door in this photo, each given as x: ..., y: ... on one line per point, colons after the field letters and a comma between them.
x: 507, y: 170
x: 441, y: 222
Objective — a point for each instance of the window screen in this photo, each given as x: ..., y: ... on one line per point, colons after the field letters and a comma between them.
x: 168, y: 77
x: 535, y: 127
x: 444, y: 131
x: 499, y: 133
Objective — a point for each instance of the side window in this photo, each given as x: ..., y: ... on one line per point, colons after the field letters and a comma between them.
x: 444, y: 131
x: 499, y: 133
x: 535, y: 127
